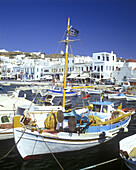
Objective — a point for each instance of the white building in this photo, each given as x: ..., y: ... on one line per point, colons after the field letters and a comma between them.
x: 19, y: 57
x: 82, y: 64
x: 128, y: 71
x: 104, y: 64
x: 31, y: 72
x: 82, y: 68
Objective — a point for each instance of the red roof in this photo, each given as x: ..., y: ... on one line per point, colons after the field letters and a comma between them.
x: 130, y: 60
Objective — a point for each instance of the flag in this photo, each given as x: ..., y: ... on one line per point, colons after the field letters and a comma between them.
x: 74, y: 32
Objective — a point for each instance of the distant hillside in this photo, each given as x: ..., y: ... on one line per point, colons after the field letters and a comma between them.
x: 12, y: 54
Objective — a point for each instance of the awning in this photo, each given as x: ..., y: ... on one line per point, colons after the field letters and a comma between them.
x: 48, y: 77
x: 72, y: 76
x: 10, y: 76
x: 83, y: 76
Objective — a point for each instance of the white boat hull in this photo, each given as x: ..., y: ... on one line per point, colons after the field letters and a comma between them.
x: 31, y: 144
x: 6, y: 134
x: 94, y: 91
x: 131, y: 98
x: 116, y: 96
x: 58, y: 93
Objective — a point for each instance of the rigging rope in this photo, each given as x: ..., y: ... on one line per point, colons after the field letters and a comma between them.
x: 62, y: 39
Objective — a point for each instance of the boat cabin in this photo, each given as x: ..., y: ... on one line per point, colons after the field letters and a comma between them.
x: 103, y: 110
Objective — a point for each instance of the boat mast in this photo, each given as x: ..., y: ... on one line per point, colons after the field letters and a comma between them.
x: 66, y: 60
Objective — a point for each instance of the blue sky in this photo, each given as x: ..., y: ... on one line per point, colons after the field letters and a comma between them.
x: 37, y: 25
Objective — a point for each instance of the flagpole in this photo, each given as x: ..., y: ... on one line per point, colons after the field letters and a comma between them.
x: 66, y: 60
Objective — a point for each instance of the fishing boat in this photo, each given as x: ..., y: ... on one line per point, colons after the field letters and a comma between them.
x: 131, y: 98
x: 58, y: 92
x: 11, y: 105
x: 68, y: 130
x: 93, y: 91
x: 128, y: 151
x: 8, y: 107
x: 117, y: 96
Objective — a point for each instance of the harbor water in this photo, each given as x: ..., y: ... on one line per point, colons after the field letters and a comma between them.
x: 95, y: 157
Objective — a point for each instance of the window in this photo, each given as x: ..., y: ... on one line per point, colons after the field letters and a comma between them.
x: 107, y: 58
x: 94, y: 67
x: 113, y: 57
x: 112, y: 68
x: 124, y: 78
x: 98, y: 57
x: 104, y: 109
x: 101, y: 68
x: 96, y: 108
x: 106, y: 67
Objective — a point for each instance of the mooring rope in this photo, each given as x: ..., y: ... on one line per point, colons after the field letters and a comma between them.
x: 52, y: 153
x: 54, y: 156
x: 12, y: 147
x: 102, y: 163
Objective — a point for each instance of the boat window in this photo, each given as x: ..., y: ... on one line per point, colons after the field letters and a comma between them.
x: 104, y: 109
x: 96, y: 108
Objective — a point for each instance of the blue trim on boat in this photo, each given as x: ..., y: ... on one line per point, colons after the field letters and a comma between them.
x: 94, y: 129
x: 102, y: 103
x: 60, y: 92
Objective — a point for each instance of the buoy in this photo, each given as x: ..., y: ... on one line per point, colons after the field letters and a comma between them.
x: 90, y: 107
